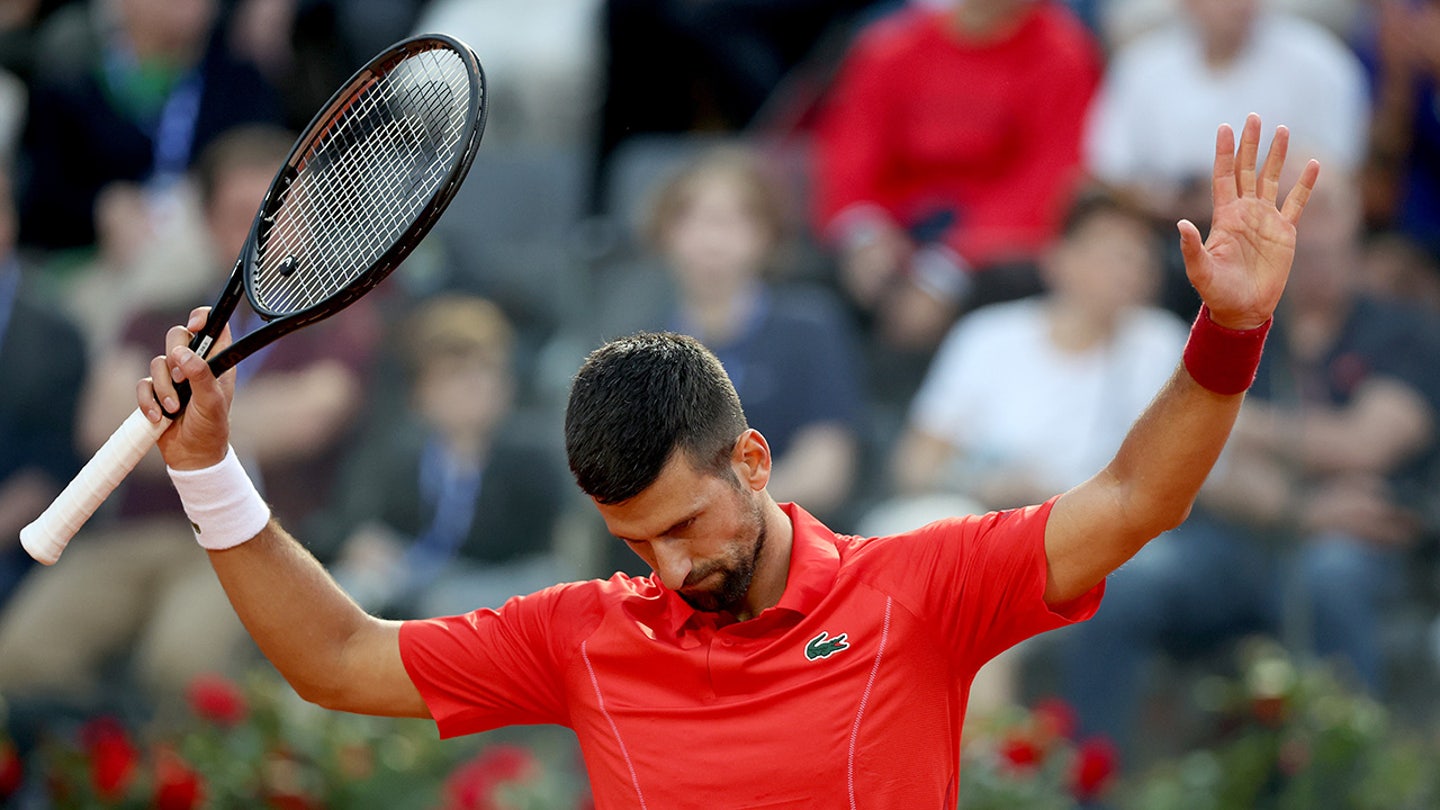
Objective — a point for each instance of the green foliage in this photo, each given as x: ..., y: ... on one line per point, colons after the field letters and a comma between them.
x: 1294, y: 738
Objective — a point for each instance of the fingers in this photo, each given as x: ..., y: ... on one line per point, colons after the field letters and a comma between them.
x: 1269, y: 186
x: 1295, y: 201
x: 198, y: 318
x: 1222, y: 181
x: 1249, y: 152
x: 146, y: 399
x: 162, y: 386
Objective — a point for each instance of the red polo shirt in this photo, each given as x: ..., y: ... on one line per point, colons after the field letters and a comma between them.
x: 848, y: 693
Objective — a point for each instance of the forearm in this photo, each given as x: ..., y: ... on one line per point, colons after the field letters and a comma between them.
x: 294, y: 416
x: 1147, y: 489
x: 1385, y: 423
x: 299, y: 617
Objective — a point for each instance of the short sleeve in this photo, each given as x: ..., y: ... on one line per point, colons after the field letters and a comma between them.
x: 982, y: 579
x: 487, y: 668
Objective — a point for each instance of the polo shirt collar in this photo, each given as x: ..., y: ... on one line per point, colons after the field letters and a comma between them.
x: 814, y: 562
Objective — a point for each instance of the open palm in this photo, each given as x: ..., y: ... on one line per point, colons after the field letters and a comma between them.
x: 1240, y: 270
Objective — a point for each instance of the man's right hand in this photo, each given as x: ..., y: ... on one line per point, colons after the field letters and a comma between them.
x: 200, y: 436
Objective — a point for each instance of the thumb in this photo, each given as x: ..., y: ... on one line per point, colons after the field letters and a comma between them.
x: 1192, y: 248
x: 208, y: 409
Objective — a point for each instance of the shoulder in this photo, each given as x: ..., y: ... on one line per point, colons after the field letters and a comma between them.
x: 1291, y: 32
x: 1169, y: 44
x: 895, y: 34
x: 957, y: 538
x: 1008, y: 320
x: 1152, y: 324
x: 1064, y: 35
x: 806, y: 307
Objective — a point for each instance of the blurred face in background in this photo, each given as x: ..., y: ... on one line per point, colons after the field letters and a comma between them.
x: 1328, y: 258
x: 716, y: 237
x: 464, y: 394
x: 1108, y: 263
x: 167, y: 29
x: 232, y: 206
x: 1223, y: 24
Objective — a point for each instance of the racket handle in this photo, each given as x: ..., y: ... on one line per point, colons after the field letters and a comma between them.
x: 46, y: 537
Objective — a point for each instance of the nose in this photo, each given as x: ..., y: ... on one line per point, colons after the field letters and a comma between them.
x: 672, y: 563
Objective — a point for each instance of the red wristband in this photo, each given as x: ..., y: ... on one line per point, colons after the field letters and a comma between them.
x: 1224, y: 360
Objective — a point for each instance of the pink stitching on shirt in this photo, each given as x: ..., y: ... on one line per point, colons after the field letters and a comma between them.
x: 624, y: 752
x: 864, y: 699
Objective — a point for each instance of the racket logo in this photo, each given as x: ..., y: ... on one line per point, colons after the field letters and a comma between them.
x: 288, y: 266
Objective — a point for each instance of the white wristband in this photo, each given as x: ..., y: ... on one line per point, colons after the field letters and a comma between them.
x: 224, y: 508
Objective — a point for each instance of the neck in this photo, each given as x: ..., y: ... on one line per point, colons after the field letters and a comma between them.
x: 720, y: 318
x: 773, y: 568
x: 1076, y: 330
x: 466, y: 446
x: 985, y: 21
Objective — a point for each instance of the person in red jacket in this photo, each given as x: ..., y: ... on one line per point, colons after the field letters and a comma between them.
x: 947, y: 149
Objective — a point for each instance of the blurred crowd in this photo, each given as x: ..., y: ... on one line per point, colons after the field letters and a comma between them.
x: 932, y: 242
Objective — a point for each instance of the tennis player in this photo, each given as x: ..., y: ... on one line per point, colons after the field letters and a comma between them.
x: 766, y: 662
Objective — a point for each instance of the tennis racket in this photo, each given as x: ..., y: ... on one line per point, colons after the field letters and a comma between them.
x: 362, y: 186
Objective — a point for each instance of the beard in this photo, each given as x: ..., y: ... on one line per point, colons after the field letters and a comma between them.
x: 736, y: 573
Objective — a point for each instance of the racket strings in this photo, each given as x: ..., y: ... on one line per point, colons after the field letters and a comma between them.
x: 365, y: 181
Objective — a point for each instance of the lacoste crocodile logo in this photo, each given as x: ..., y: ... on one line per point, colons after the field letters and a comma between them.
x: 822, y: 646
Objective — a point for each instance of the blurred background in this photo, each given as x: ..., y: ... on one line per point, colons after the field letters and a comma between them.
x: 933, y: 243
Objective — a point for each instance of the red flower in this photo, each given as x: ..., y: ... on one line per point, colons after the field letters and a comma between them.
x: 472, y: 786
x: 1020, y: 752
x: 217, y: 699
x: 12, y: 770
x: 1054, y: 718
x: 1095, y: 765
x: 177, y: 785
x: 292, y: 801
x: 113, y: 758
x: 1270, y: 710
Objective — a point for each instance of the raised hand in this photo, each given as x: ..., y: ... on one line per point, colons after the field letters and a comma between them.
x: 1240, y: 270
x: 200, y: 435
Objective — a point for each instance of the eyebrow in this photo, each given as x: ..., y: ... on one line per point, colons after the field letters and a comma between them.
x: 672, y: 527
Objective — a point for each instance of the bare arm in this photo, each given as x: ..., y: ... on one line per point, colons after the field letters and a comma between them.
x: 330, y: 650
x: 1384, y: 425
x: 1240, y: 272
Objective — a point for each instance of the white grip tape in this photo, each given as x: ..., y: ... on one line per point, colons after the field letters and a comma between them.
x: 46, y: 537
x: 222, y: 503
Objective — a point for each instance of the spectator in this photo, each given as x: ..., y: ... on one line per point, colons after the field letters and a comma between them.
x: 1027, y: 397
x: 1403, y: 176
x: 132, y: 581
x: 1024, y: 396
x: 945, y: 154
x: 106, y: 139
x: 38, y: 401
x: 455, y: 508
x: 1148, y: 132
x: 1313, y: 497
x: 719, y: 227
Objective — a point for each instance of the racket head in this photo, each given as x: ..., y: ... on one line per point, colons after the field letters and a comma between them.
x: 368, y: 178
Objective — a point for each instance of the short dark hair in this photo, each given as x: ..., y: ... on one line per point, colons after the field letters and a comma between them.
x: 638, y: 399
x: 1098, y: 200
x: 246, y: 147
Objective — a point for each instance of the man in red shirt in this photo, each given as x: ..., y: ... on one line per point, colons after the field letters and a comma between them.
x: 766, y: 661
x: 946, y: 154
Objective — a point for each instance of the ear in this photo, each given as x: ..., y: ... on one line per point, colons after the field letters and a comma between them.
x: 751, y: 461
